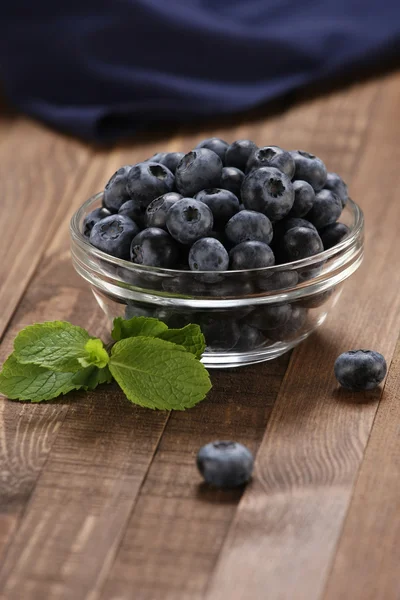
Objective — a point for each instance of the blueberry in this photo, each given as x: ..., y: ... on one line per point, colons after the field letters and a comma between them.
x: 315, y: 300
x: 208, y: 254
x: 251, y: 255
x: 248, y: 225
x: 269, y: 316
x: 216, y: 145
x: 114, y: 235
x: 168, y: 159
x: 222, y: 203
x: 156, y: 212
x: 198, y: 170
x: 309, y: 168
x: 304, y: 197
x: 269, y: 191
x: 238, y: 153
x: 92, y: 218
x: 326, y: 209
x: 154, y: 247
x: 293, y: 222
x: 272, y: 156
x: 116, y: 192
x: 278, y: 281
x: 292, y: 326
x: 232, y: 179
x: 336, y: 184
x: 221, y: 334
x: 225, y: 464
x: 134, y: 211
x: 301, y: 242
x: 189, y: 220
x: 250, y: 338
x: 333, y: 234
x: 149, y: 180
x: 359, y: 370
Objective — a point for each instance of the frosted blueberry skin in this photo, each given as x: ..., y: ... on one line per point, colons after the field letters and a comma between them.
x: 269, y: 191
x: 198, y: 170
x: 225, y: 464
x: 359, y: 370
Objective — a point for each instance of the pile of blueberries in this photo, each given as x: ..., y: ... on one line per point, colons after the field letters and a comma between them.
x: 220, y: 207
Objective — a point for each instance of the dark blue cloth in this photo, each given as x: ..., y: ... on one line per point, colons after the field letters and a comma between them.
x: 101, y: 69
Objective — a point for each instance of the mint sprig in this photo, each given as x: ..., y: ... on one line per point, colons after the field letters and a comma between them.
x: 156, y: 367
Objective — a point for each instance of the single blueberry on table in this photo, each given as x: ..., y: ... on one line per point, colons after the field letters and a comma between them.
x: 154, y: 247
x: 149, y: 180
x: 216, y: 145
x: 156, y: 212
x: 232, y: 179
x: 134, y: 211
x: 198, y: 170
x: 116, y: 192
x: 333, y: 234
x: 336, y: 184
x: 300, y: 242
x: 238, y: 153
x: 269, y: 191
x: 250, y: 338
x: 251, y: 255
x: 189, y: 220
x: 269, y: 316
x: 272, y: 156
x: 359, y: 370
x: 114, y: 235
x: 225, y: 464
x: 326, y: 209
x: 222, y: 203
x: 249, y: 225
x: 92, y: 218
x: 208, y: 254
x: 304, y: 197
x: 309, y: 168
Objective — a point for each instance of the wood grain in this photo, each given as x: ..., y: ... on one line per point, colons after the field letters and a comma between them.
x: 289, y: 521
x: 77, y: 465
x: 38, y: 172
x: 368, y: 556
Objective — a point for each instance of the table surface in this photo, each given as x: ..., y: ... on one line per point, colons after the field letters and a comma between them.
x: 100, y: 500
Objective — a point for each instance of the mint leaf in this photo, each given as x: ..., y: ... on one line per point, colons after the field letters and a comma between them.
x: 96, y: 354
x: 91, y: 377
x: 158, y: 374
x: 144, y: 326
x: 34, y: 383
x: 190, y: 337
x: 55, y: 345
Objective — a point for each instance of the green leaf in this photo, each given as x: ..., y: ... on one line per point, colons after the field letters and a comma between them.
x: 91, y: 377
x: 190, y: 337
x: 55, y: 345
x: 34, y: 383
x: 158, y: 374
x: 96, y: 354
x: 144, y: 326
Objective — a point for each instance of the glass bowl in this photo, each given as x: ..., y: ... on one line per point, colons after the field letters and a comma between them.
x: 246, y: 316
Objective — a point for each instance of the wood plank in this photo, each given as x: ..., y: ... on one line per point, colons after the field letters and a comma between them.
x: 368, y: 556
x: 72, y: 468
x: 171, y: 516
x: 288, y: 523
x: 39, y: 170
x: 175, y: 510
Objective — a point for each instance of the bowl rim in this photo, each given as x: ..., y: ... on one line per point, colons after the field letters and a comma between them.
x: 79, y: 238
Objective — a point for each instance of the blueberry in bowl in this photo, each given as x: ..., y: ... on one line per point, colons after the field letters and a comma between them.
x: 166, y: 239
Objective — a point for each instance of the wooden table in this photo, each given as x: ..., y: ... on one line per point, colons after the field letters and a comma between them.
x: 100, y: 500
